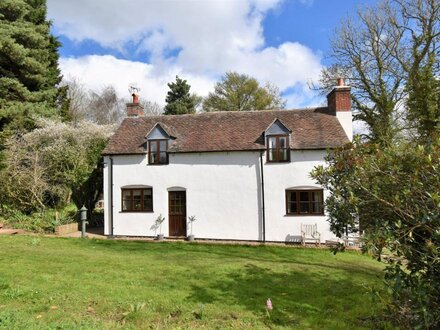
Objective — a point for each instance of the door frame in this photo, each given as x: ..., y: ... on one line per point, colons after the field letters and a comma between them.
x: 170, y: 192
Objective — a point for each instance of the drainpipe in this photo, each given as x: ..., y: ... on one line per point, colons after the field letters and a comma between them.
x: 262, y: 196
x: 111, y: 197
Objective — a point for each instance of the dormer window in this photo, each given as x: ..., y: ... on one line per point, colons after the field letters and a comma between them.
x: 278, y: 148
x: 277, y: 142
x: 158, y: 142
x: 157, y: 152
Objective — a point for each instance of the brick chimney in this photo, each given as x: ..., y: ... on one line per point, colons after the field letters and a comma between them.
x: 339, y: 98
x: 134, y: 109
x: 339, y: 104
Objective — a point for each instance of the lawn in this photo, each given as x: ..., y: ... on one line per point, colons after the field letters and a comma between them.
x: 61, y: 283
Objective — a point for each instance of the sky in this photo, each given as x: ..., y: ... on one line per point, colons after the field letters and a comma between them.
x: 121, y: 42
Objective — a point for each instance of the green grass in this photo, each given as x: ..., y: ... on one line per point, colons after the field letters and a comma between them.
x: 56, y: 283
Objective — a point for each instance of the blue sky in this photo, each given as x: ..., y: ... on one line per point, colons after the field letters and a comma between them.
x: 149, y: 42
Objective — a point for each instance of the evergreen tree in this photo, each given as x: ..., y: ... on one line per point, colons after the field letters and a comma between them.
x: 179, y: 100
x: 240, y: 92
x: 29, y: 72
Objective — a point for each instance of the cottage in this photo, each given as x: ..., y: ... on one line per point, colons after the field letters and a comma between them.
x: 243, y: 175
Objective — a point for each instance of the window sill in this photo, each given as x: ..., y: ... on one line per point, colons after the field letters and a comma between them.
x: 305, y: 215
x: 161, y: 164
x: 278, y: 161
x: 136, y: 211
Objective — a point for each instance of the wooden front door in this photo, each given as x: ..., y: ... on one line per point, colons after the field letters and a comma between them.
x: 177, y: 213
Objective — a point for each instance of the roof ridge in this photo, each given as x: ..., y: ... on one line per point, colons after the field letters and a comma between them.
x: 216, y: 113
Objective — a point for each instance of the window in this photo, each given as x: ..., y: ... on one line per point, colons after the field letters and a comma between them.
x: 157, y: 152
x: 304, y: 202
x: 278, y: 148
x: 137, y: 200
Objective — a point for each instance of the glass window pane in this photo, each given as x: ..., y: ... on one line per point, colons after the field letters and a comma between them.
x: 317, y: 196
x: 153, y: 157
x: 317, y: 207
x: 282, y: 140
x: 163, y: 157
x: 292, y: 208
x: 153, y: 146
x: 148, y: 204
x: 270, y: 155
x: 304, y: 207
x: 163, y: 145
x: 304, y: 196
x: 137, y: 199
x: 272, y: 142
x: 126, y: 194
x: 283, y: 154
x: 126, y: 205
x: 291, y: 196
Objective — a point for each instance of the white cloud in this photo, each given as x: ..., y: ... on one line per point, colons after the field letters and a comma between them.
x: 212, y: 37
x: 97, y: 71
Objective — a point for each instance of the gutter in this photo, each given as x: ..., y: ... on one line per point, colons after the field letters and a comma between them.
x: 111, y: 197
x: 262, y: 197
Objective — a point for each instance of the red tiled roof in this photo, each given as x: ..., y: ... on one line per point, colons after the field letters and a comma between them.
x: 230, y: 131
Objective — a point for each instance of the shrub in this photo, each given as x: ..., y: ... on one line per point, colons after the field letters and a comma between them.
x: 40, y: 222
x: 392, y: 195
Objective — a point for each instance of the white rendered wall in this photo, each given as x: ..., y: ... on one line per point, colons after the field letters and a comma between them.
x: 346, y: 121
x: 281, y: 176
x: 223, y: 191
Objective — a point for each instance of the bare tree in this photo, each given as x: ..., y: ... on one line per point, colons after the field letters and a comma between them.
x: 105, y: 107
x: 378, y: 53
x: 152, y: 108
x: 78, y: 99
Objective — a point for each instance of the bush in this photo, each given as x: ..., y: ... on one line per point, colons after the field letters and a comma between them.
x: 53, y: 165
x: 392, y: 195
x: 39, y: 222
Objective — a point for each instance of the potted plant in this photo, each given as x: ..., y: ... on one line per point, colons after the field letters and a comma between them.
x: 159, y: 220
x: 191, y: 219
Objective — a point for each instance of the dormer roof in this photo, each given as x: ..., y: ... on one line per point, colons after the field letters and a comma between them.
x: 158, y: 132
x: 277, y: 128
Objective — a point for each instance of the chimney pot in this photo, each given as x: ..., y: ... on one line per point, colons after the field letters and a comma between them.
x: 135, y: 98
x: 340, y: 82
x: 134, y: 109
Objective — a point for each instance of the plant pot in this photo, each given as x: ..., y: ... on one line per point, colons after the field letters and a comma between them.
x: 160, y: 237
x: 190, y: 238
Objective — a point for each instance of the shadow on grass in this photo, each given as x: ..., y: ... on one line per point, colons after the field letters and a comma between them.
x: 299, y: 298
x: 284, y: 255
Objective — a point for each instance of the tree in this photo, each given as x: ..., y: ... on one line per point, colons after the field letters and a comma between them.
x: 29, y: 72
x: 240, y: 92
x: 179, y: 100
x: 423, y: 102
x: 388, y: 187
x: 151, y: 108
x: 101, y: 107
x: 381, y: 52
x: 53, y: 164
x: 392, y: 195
x: 105, y: 107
